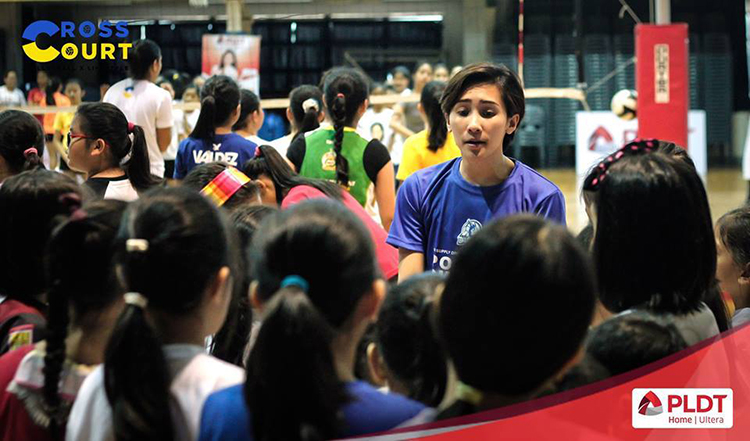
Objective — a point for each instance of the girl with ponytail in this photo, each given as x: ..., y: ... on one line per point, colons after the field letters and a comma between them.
x: 174, y: 262
x: 435, y: 144
x: 111, y: 151
x: 212, y: 138
x: 305, y: 113
x: 29, y: 202
x: 38, y: 383
x: 300, y: 375
x: 279, y: 185
x: 22, y: 143
x: 339, y: 154
x: 53, y: 98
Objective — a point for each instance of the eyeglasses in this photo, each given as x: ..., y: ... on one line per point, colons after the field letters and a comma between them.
x: 72, y: 136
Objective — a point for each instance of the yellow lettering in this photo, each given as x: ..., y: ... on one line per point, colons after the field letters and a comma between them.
x: 69, y: 51
x: 87, y: 55
x: 125, y: 47
x: 108, y: 51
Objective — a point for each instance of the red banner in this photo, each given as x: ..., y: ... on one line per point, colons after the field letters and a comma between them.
x: 662, y: 81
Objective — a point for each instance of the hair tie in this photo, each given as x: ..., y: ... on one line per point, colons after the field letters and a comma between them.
x: 310, y: 103
x: 340, y: 95
x: 136, y: 245
x: 224, y: 185
x: 295, y: 280
x: 71, y: 201
x: 131, y: 127
x: 79, y: 215
x: 29, y: 151
x: 258, y: 152
x: 136, y: 299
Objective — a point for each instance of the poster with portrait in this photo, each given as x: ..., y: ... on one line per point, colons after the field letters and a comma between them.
x: 236, y: 56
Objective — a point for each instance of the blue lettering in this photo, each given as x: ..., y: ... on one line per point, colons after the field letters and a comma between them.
x: 86, y: 29
x: 122, y: 29
x: 66, y: 29
x: 105, y: 29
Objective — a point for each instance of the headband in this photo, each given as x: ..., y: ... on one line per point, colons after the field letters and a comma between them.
x: 224, y: 185
x: 597, y: 176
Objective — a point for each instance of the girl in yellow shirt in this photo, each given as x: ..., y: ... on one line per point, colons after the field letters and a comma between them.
x: 433, y: 145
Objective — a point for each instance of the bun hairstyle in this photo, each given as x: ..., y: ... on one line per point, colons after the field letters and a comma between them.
x: 306, y: 103
x: 249, y: 103
x: 174, y: 242
x: 30, y: 203
x: 269, y: 162
x: 430, y: 101
x: 406, y: 339
x: 80, y: 273
x: 21, y: 141
x: 292, y: 389
x: 106, y: 121
x: 511, y: 91
x: 345, y: 90
x: 141, y: 57
x: 219, y: 97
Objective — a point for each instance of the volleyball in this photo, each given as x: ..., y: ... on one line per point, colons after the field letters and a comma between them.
x: 625, y: 103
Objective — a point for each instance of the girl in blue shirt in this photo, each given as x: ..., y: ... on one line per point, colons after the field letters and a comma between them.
x: 318, y: 287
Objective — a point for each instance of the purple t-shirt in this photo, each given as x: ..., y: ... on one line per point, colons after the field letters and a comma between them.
x: 230, y: 148
x: 437, y: 210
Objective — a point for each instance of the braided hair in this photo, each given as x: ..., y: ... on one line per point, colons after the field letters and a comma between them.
x: 345, y: 90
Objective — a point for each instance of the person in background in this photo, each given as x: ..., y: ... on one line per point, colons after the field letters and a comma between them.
x: 38, y: 383
x: 733, y: 261
x: 339, y: 154
x: 441, y: 73
x: 53, y: 98
x: 305, y: 113
x: 37, y: 94
x: 376, y: 121
x: 433, y: 145
x: 178, y: 132
x: 300, y: 374
x: 144, y: 103
x: 251, y: 117
x: 439, y: 208
x: 400, y: 77
x: 191, y: 94
x: 212, y: 139
x: 456, y: 69
x: 103, y: 88
x: 482, y: 306
x: 75, y: 93
x: 10, y: 94
x: 406, y: 120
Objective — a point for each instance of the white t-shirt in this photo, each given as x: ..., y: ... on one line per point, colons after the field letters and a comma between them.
x: 257, y: 140
x: 177, y: 129
x: 14, y: 98
x: 281, y: 144
x: 147, y: 105
x: 195, y: 376
x: 369, y: 124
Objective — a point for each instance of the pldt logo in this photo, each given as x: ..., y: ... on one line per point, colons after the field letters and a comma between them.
x: 685, y: 408
x: 653, y: 400
x: 70, y: 51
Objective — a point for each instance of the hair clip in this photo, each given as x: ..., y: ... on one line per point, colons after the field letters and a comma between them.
x: 294, y: 280
x: 311, y: 103
x: 225, y: 184
x: 136, y: 299
x: 136, y: 245
x: 636, y: 146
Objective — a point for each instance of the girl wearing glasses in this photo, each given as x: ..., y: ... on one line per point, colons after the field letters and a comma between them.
x: 111, y: 152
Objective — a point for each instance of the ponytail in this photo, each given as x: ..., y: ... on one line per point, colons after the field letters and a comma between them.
x: 204, y: 128
x: 294, y: 393
x: 54, y: 358
x: 338, y: 112
x: 136, y: 380
x: 32, y: 160
x: 430, y: 101
x: 138, y: 167
x: 220, y: 96
x: 22, y: 141
x: 305, y: 103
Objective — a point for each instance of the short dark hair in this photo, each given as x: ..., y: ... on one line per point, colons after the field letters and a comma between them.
x: 633, y: 339
x: 141, y: 56
x: 511, y: 91
x: 203, y: 174
x: 485, y: 306
x: 19, y: 131
x: 734, y: 233
x: 654, y: 243
x: 249, y: 103
x: 219, y: 97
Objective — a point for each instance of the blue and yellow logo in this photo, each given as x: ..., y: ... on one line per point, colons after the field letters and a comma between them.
x: 69, y: 51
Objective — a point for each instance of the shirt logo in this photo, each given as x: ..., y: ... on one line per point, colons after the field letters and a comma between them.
x: 206, y: 156
x: 20, y: 336
x: 470, y: 227
x: 329, y: 161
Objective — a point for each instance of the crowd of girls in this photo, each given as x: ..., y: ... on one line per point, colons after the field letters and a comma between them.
x: 259, y: 300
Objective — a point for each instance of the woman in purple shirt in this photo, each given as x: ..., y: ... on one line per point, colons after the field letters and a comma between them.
x: 439, y: 208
